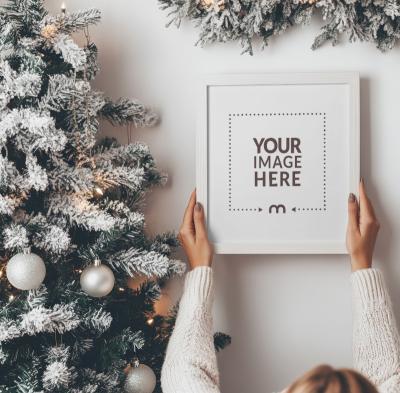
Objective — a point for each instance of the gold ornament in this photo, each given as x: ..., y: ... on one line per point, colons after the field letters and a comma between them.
x: 49, y: 31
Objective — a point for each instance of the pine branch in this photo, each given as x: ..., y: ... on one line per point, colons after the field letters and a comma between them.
x: 114, y: 349
x: 126, y: 111
x: 26, y: 14
x: 136, y: 262
x: 71, y: 22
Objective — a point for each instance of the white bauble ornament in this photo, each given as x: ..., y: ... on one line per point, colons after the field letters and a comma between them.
x: 140, y: 379
x: 97, y: 280
x: 26, y: 270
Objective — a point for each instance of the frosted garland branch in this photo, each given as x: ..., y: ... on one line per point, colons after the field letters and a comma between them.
x: 372, y: 21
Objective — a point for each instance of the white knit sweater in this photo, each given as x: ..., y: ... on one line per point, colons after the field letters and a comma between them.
x: 191, y: 366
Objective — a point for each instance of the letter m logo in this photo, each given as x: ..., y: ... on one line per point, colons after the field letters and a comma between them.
x: 277, y: 208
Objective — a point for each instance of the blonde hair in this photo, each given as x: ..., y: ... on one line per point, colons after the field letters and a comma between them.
x: 326, y: 379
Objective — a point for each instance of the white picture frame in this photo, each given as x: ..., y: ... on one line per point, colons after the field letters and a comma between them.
x: 299, y: 108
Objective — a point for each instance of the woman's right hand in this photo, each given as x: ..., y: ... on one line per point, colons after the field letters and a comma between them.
x: 362, y: 230
x: 193, y: 235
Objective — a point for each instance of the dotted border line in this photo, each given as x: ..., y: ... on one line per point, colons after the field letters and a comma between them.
x: 278, y: 114
x: 274, y: 114
x: 230, y: 169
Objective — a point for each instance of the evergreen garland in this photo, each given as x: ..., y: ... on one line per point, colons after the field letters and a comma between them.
x: 376, y: 21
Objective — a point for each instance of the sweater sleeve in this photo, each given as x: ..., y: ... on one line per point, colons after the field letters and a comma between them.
x: 376, y: 337
x: 190, y: 364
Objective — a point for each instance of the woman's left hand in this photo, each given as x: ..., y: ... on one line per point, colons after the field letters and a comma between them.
x: 193, y: 235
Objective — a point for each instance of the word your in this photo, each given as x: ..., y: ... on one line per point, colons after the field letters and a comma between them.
x: 276, y: 162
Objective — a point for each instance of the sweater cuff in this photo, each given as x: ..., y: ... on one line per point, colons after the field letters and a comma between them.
x: 199, y: 288
x: 369, y: 286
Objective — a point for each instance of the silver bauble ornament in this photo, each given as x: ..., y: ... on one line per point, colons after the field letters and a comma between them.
x: 140, y: 379
x: 97, y: 280
x: 26, y: 271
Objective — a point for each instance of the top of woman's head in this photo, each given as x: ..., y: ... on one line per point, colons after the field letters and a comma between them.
x: 325, y: 379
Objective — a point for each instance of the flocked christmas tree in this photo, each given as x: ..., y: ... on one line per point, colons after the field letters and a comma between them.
x: 70, y: 217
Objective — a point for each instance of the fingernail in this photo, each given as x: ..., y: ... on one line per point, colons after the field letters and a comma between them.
x: 198, y: 207
x: 362, y: 180
x: 352, y: 197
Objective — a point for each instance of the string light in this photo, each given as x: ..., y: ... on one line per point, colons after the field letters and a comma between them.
x: 98, y: 191
x: 63, y: 8
x: 150, y: 321
x: 121, y: 289
x: 11, y: 298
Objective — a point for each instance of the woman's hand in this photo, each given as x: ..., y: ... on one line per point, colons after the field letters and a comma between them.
x: 362, y: 230
x: 193, y: 235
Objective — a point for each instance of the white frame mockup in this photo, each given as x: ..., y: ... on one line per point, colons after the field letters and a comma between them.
x: 202, y: 154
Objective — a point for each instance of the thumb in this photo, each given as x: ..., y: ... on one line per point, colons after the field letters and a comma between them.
x: 353, y: 213
x: 199, y: 221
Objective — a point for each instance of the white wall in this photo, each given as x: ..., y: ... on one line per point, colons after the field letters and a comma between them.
x: 285, y: 313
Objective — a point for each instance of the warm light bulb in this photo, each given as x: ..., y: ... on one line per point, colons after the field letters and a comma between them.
x: 98, y: 191
x: 63, y: 8
x: 121, y: 289
x: 150, y: 321
x: 11, y: 298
